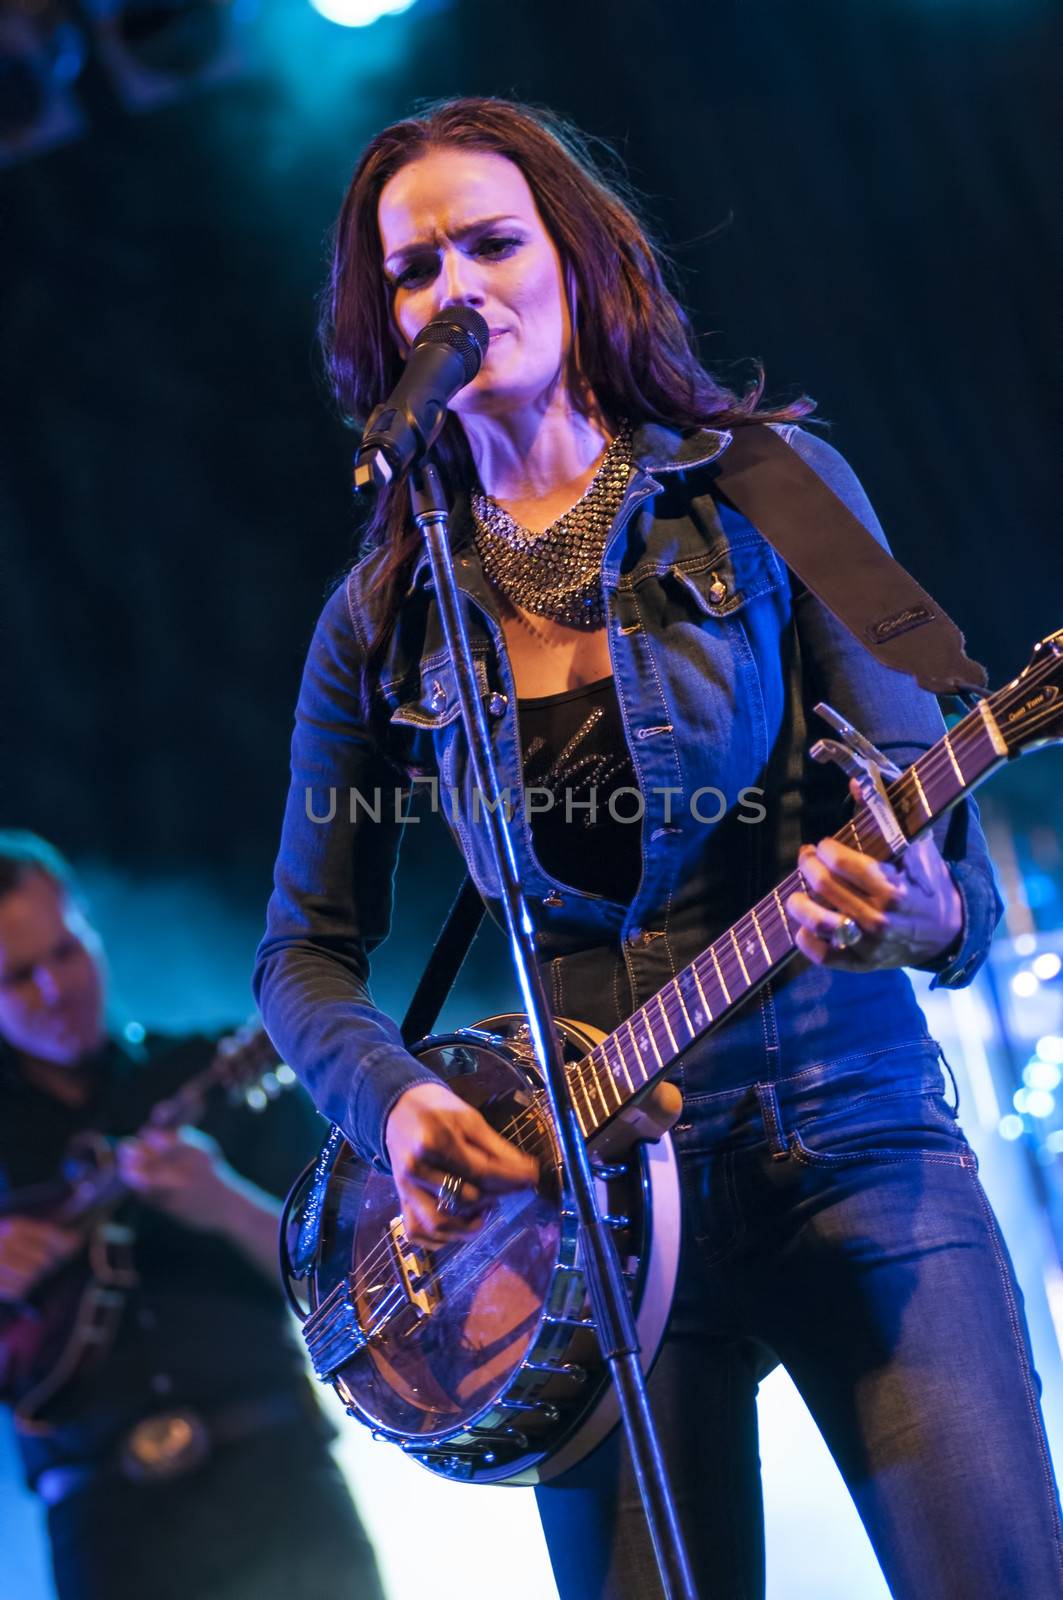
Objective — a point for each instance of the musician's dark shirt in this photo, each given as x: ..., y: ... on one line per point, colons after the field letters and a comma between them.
x: 584, y: 825
x: 204, y: 1327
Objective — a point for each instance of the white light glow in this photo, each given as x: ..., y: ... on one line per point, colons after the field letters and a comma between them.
x: 1038, y: 1074
x: 1047, y: 966
x: 1025, y: 944
x: 1039, y: 1103
x: 1010, y: 1127
x: 1025, y: 984
x: 359, y: 13
x: 1050, y: 1048
x: 1054, y: 1141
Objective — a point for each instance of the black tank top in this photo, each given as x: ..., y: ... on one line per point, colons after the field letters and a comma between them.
x: 585, y: 834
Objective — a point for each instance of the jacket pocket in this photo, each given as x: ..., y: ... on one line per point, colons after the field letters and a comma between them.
x: 435, y: 703
x: 724, y: 581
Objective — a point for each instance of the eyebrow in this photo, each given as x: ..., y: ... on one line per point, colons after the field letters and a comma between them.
x: 398, y: 257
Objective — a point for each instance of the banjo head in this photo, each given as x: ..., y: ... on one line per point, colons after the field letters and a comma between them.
x: 480, y: 1358
x: 447, y: 1327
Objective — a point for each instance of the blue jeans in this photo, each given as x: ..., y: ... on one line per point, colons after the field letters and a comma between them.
x: 834, y: 1222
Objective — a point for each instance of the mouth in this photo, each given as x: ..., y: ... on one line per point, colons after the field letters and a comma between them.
x: 497, y: 333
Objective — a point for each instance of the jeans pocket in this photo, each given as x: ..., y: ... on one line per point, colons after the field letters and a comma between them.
x: 892, y: 1127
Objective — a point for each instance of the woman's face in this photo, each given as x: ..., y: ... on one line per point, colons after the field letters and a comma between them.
x: 460, y: 227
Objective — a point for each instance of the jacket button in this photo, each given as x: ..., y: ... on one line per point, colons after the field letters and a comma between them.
x: 635, y: 936
x: 497, y: 704
x: 553, y: 899
x: 439, y: 696
x: 718, y: 592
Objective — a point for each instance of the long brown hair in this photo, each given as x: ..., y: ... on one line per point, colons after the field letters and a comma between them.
x: 636, y: 350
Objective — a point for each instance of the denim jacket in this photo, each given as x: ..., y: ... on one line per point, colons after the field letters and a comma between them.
x: 718, y: 656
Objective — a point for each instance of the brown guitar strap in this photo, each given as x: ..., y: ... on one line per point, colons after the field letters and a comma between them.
x: 843, y: 564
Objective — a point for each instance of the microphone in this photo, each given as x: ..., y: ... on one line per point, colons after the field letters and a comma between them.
x: 446, y: 355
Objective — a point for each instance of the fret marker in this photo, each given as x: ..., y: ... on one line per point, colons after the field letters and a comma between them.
x: 701, y: 992
x: 760, y: 936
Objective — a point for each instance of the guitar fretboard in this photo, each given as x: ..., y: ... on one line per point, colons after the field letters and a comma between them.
x: 631, y: 1058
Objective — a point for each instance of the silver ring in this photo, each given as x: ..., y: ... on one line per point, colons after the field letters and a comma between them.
x: 448, y: 1194
x: 846, y: 934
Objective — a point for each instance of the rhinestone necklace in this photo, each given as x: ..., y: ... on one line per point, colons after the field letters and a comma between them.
x: 556, y: 573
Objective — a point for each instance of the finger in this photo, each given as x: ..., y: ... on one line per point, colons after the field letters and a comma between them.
x: 425, y: 1225
x: 840, y: 896
x: 162, y: 1140
x: 858, y: 871
x: 27, y: 1256
x: 817, y: 950
x: 821, y: 921
x: 431, y: 1179
x: 494, y: 1161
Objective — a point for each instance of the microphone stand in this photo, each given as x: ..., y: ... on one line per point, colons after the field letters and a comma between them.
x: 613, y: 1318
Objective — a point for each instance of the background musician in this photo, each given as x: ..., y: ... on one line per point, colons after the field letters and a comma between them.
x: 192, y: 1461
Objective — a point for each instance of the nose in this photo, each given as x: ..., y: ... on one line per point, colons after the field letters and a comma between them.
x: 459, y: 281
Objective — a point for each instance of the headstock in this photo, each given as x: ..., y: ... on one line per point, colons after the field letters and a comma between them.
x: 1029, y: 710
x: 245, y: 1066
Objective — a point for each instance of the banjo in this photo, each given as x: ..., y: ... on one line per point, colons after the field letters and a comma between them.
x: 479, y: 1358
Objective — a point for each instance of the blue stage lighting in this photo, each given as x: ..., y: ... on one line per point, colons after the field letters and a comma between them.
x: 359, y: 13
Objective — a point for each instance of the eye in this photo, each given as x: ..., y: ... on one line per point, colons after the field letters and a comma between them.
x: 497, y: 246
x: 418, y: 271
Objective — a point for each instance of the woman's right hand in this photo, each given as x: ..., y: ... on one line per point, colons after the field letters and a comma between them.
x: 431, y: 1135
x: 29, y: 1250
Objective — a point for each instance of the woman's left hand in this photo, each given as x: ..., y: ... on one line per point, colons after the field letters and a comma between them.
x: 908, y: 912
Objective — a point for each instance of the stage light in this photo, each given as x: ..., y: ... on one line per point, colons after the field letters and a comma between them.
x: 359, y: 13
x: 1054, y: 1141
x: 1035, y: 1102
x: 38, y: 63
x: 1038, y: 1074
x: 157, y: 51
x: 1024, y: 984
x: 1050, y: 1048
x: 1046, y: 967
x: 1010, y: 1127
x: 1025, y: 944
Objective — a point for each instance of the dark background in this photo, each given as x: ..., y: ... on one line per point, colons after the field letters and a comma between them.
x: 864, y: 195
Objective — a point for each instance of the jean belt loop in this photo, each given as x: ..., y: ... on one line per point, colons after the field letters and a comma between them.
x: 952, y: 1079
x: 768, y: 1100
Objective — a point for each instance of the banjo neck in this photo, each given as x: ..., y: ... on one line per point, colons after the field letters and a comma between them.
x: 630, y: 1060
